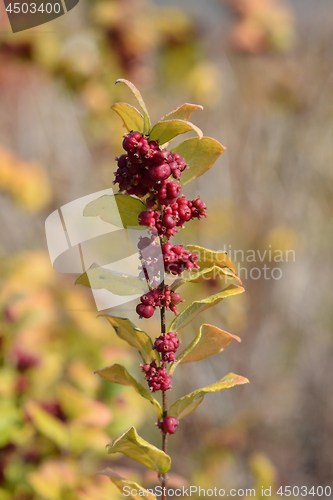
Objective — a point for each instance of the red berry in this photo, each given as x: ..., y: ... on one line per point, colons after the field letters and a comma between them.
x: 146, y: 218
x: 167, y: 247
x: 177, y: 249
x: 144, y: 242
x: 145, y: 311
x: 161, y: 156
x: 147, y: 299
x: 170, y: 424
x: 175, y: 298
x: 182, y: 200
x: 184, y: 212
x: 131, y: 141
x: 166, y: 384
x: 169, y: 221
x: 170, y: 232
x: 122, y: 161
x: 165, y: 201
x: 153, y: 145
x: 159, y: 172
x: 176, y: 174
x: 173, y: 189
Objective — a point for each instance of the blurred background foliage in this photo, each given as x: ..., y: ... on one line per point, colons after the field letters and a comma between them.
x: 263, y: 70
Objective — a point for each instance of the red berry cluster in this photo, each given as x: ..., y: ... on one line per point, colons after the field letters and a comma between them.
x: 148, y: 171
x: 174, y: 216
x: 167, y: 345
x: 177, y: 259
x: 168, y: 425
x: 146, y: 168
x: 158, y: 298
x: 157, y: 377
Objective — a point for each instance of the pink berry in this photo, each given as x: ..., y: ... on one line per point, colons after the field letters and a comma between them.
x: 184, y: 212
x: 166, y: 384
x: 147, y: 299
x: 153, y: 145
x: 169, y: 221
x: 144, y: 242
x: 145, y: 311
x: 175, y: 298
x: 146, y: 218
x: 131, y: 140
x: 159, y: 172
x: 161, y: 156
x: 182, y: 200
x: 122, y: 161
x: 173, y: 189
x: 177, y: 249
x: 170, y: 424
x: 167, y: 247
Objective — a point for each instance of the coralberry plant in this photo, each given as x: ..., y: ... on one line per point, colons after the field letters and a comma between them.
x: 150, y: 178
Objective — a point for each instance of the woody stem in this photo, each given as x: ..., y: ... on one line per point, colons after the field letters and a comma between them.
x: 164, y: 477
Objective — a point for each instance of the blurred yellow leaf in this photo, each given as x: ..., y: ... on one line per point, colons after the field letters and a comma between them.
x: 84, y: 410
x: 26, y: 182
x: 53, y: 478
x: 121, y: 482
x: 48, y: 425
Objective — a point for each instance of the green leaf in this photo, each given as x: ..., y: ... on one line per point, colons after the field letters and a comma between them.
x: 132, y: 118
x: 136, y: 448
x: 200, y: 154
x: 121, y: 210
x: 126, y: 330
x: 99, y: 278
x: 121, y: 482
x: 205, y: 275
x: 166, y: 130
x: 117, y: 374
x: 191, y: 311
x: 209, y: 258
x: 185, y: 405
x: 183, y: 112
x: 140, y: 101
x: 209, y: 341
x: 48, y: 425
